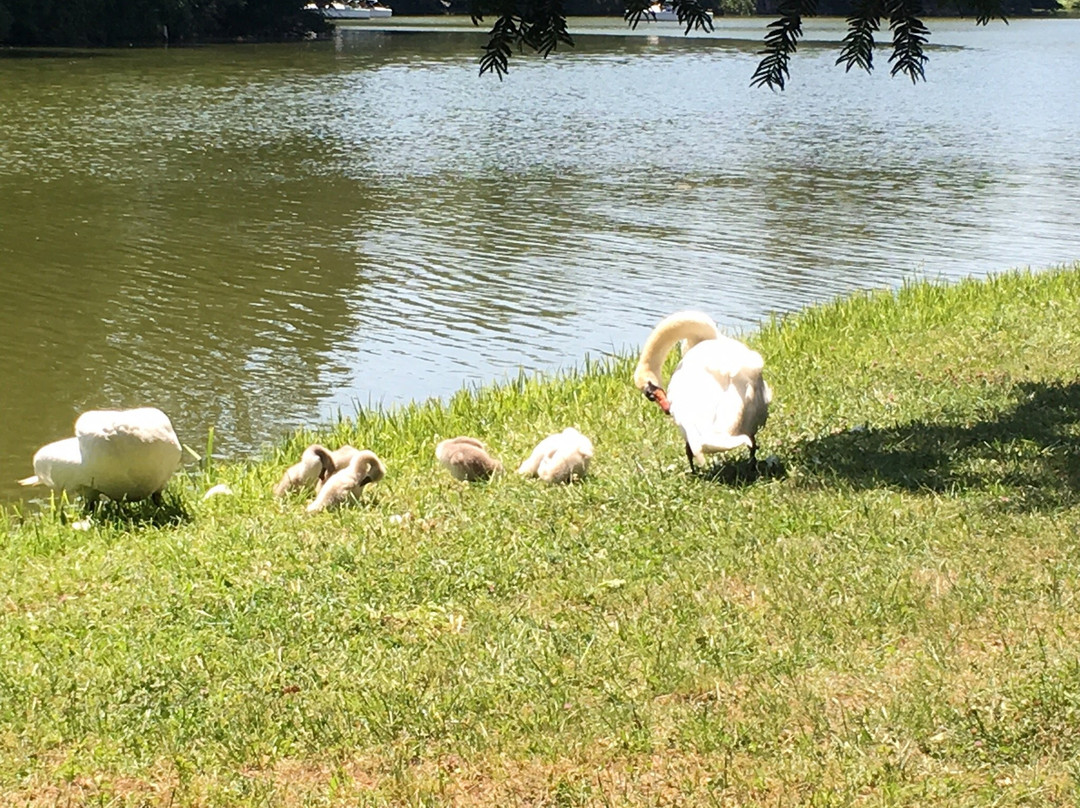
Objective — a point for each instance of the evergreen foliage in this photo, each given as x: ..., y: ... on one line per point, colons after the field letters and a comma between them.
x: 515, y: 22
x: 535, y: 25
x: 540, y: 25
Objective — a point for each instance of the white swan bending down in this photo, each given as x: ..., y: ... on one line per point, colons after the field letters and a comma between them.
x: 466, y: 459
x: 559, y: 458
x: 716, y: 394
x: 123, y: 454
x: 365, y: 467
x: 315, y: 465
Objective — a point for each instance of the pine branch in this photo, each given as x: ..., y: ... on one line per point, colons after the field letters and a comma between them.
x: 987, y: 10
x: 504, y: 33
x: 638, y: 10
x: 693, y: 15
x: 546, y: 28
x: 690, y: 13
x: 858, y: 46
x: 780, y: 42
x: 909, y: 36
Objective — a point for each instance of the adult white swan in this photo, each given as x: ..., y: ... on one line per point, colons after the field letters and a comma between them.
x: 716, y: 394
x: 123, y: 454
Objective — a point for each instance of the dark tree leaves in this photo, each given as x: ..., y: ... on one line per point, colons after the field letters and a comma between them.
x: 857, y: 49
x: 690, y: 13
x: 909, y: 36
x: 986, y: 10
x: 539, y: 25
x: 781, y: 41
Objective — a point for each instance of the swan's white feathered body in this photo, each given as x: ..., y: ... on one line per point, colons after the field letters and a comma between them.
x: 716, y: 395
x: 123, y: 454
x: 559, y: 458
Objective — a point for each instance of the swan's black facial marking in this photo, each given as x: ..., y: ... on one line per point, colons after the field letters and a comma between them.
x: 657, y: 395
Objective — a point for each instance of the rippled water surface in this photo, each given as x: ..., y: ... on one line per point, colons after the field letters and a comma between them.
x: 258, y: 237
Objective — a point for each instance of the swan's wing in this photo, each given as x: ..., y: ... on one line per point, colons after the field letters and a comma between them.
x: 717, y: 395
x: 343, y: 455
x: 565, y: 464
x: 336, y: 490
x: 724, y: 359
x: 127, y: 453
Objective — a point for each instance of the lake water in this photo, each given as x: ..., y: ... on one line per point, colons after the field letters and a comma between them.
x: 258, y: 237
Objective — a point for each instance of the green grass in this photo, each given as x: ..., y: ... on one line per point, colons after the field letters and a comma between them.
x: 886, y: 615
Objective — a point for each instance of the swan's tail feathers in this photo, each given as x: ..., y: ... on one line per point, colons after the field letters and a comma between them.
x: 30, y: 480
x: 754, y: 361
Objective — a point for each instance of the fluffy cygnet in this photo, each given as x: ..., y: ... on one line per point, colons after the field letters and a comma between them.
x: 364, y: 467
x: 467, y: 459
x: 314, y: 464
x: 559, y: 458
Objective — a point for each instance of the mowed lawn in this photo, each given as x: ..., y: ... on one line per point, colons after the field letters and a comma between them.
x: 884, y: 612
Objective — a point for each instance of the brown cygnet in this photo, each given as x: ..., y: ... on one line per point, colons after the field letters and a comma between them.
x: 467, y: 459
x: 364, y: 467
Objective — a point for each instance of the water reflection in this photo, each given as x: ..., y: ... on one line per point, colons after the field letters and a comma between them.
x: 253, y: 238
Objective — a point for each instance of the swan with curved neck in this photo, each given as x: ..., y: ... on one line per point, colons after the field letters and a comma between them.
x: 716, y: 395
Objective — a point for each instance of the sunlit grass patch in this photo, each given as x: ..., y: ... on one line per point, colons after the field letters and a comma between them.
x: 885, y: 613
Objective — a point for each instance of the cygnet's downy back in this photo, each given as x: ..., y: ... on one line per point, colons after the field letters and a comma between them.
x: 315, y: 465
x: 559, y: 458
x: 467, y: 459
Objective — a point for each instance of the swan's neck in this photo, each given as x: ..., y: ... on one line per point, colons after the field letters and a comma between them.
x: 689, y: 325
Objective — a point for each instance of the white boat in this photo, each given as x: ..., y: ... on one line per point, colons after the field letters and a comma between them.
x: 340, y: 11
x: 378, y: 10
x: 663, y: 12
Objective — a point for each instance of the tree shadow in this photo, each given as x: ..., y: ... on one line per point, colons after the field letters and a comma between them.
x: 1032, y: 451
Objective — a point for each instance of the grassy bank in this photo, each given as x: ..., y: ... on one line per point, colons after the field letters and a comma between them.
x: 887, y: 615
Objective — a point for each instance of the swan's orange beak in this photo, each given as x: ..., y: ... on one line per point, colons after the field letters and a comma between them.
x: 657, y: 394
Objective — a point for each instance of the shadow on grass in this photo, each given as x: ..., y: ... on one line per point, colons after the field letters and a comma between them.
x: 740, y: 473
x: 1032, y: 451
x: 128, y: 515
